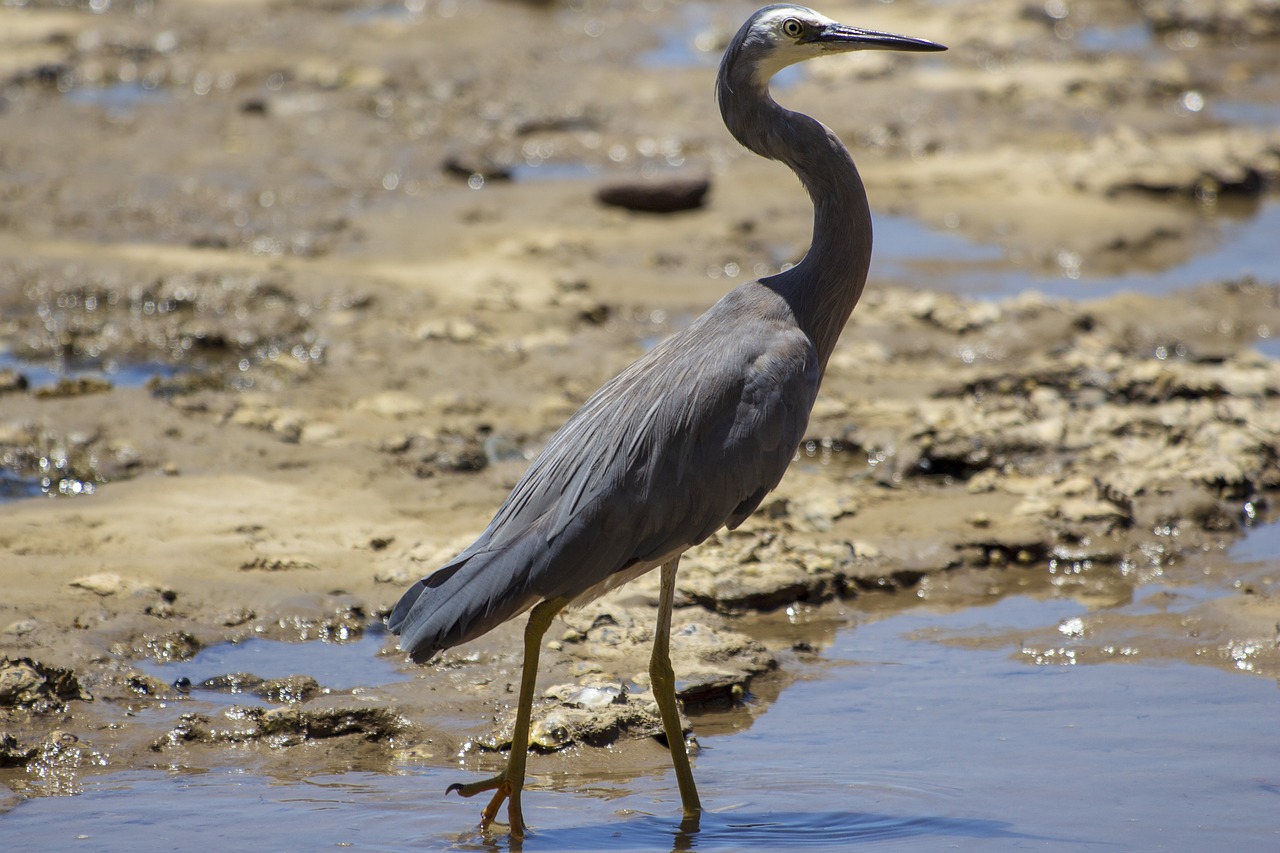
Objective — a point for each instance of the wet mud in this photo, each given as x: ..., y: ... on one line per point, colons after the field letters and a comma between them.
x: 286, y: 307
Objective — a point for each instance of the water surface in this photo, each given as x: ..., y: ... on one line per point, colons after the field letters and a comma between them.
x: 909, y: 251
x: 894, y: 742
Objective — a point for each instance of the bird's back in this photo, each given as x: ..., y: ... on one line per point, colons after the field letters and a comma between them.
x: 689, y: 438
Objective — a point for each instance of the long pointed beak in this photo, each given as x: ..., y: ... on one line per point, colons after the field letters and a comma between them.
x: 842, y: 37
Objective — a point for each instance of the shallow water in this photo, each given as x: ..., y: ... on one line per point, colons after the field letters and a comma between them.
x: 905, y: 742
x: 336, y: 665
x: 46, y: 374
x: 1129, y: 38
x: 14, y: 487
x: 119, y: 100
x: 554, y: 171
x: 907, y: 250
x: 687, y: 42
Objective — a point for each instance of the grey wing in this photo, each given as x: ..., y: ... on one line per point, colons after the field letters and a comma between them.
x: 685, y: 440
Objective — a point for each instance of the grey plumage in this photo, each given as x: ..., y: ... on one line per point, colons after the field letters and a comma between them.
x: 687, y: 439
x: 692, y: 436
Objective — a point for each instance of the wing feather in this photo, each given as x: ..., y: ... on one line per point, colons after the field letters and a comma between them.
x: 689, y: 438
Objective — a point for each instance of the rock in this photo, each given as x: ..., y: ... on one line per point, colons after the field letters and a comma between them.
x: 296, y: 725
x: 759, y: 570
x: 551, y: 731
x: 18, y: 682
x: 177, y: 645
x: 11, y: 380
x: 29, y: 685
x: 284, y: 727
x: 472, y: 165
x: 456, y: 329
x: 102, y: 583
x: 292, y: 689
x: 951, y: 313
x: 590, y: 694
x: 392, y: 404
x: 1239, y: 160
x: 560, y: 725
x: 14, y: 754
x: 711, y: 688
x: 415, y: 752
x: 278, y: 564
x: 21, y: 627
x: 319, y: 433
x: 817, y: 511
x: 1258, y: 18
x: 142, y: 684
x: 74, y: 387
x: 656, y: 196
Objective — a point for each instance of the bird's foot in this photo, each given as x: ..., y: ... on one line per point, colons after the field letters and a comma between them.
x: 502, y: 790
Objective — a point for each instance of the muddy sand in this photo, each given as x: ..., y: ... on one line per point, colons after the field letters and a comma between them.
x: 290, y: 293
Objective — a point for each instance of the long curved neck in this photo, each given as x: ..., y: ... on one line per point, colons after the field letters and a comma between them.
x: 824, y: 287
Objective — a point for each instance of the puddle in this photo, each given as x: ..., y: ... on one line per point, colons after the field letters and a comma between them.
x: 910, y: 252
x: 697, y: 39
x: 904, y: 248
x: 337, y: 666
x: 118, y: 98
x: 1260, y: 543
x: 835, y: 457
x: 907, y: 744
x: 1270, y: 347
x: 52, y: 473
x: 14, y: 487
x: 552, y: 171
x: 1131, y: 38
x: 1261, y: 114
x: 690, y: 41
x: 409, y: 10
x: 120, y: 374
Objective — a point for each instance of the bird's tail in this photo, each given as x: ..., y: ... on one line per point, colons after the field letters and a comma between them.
x: 475, y: 593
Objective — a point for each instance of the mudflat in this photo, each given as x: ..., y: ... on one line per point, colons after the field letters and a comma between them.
x: 290, y: 293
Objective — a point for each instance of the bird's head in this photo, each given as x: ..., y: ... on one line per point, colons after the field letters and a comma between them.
x: 783, y: 34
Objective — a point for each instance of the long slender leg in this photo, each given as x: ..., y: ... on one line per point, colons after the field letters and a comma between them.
x: 508, y: 784
x: 663, y: 680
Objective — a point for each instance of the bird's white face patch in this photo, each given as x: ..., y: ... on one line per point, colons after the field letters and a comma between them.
x: 785, y: 46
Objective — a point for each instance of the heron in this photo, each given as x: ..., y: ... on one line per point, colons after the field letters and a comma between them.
x: 689, y: 438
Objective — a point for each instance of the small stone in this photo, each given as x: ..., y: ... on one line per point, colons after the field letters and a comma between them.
x: 665, y: 196
x: 392, y: 404
x: 550, y: 733
x: 393, y: 575
x: 232, y: 618
x: 102, y: 583
x: 597, y: 696
x: 319, y: 433
x: 865, y: 550
x: 455, y: 329
x: 22, y: 627
x: 416, y: 752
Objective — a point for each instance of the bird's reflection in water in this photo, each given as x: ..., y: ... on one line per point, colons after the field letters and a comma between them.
x: 737, y: 830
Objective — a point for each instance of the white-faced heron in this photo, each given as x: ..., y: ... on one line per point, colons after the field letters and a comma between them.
x: 689, y: 438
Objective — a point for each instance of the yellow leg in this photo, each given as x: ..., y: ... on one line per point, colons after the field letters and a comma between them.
x: 508, y: 784
x: 663, y: 680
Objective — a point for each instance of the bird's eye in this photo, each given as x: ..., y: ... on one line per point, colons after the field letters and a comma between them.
x: 792, y: 28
